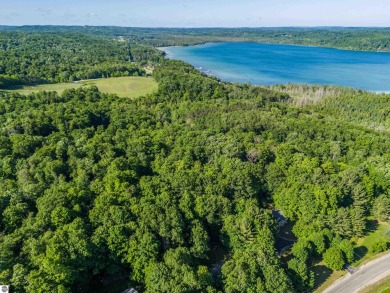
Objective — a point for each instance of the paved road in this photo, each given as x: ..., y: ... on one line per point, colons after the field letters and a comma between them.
x: 366, y: 275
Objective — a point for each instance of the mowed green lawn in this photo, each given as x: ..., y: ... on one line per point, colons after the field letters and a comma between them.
x: 128, y: 86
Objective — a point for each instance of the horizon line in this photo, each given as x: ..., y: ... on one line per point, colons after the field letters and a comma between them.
x: 195, y: 27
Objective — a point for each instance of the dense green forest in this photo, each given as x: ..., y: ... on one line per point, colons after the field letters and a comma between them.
x: 31, y: 58
x: 174, y: 192
x: 366, y: 39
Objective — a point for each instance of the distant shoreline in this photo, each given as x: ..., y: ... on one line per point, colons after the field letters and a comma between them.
x: 271, y: 43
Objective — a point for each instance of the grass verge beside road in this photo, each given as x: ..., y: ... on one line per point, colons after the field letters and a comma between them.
x: 382, y: 286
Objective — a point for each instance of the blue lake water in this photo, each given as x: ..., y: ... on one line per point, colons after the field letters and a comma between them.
x: 268, y: 64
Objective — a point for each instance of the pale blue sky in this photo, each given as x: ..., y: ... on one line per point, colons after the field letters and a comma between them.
x: 197, y: 13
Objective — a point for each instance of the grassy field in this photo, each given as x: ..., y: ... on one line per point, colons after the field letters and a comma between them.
x: 128, y: 86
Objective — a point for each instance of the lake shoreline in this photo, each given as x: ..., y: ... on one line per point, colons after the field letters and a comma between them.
x: 302, y: 64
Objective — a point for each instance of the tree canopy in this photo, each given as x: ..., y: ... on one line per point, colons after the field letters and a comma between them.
x: 172, y: 191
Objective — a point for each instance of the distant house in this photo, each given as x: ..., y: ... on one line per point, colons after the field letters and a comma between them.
x: 279, y: 217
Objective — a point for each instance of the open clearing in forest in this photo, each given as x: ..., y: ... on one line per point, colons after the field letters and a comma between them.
x: 128, y: 86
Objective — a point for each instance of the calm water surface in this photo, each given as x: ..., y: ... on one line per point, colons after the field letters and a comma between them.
x: 276, y: 64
